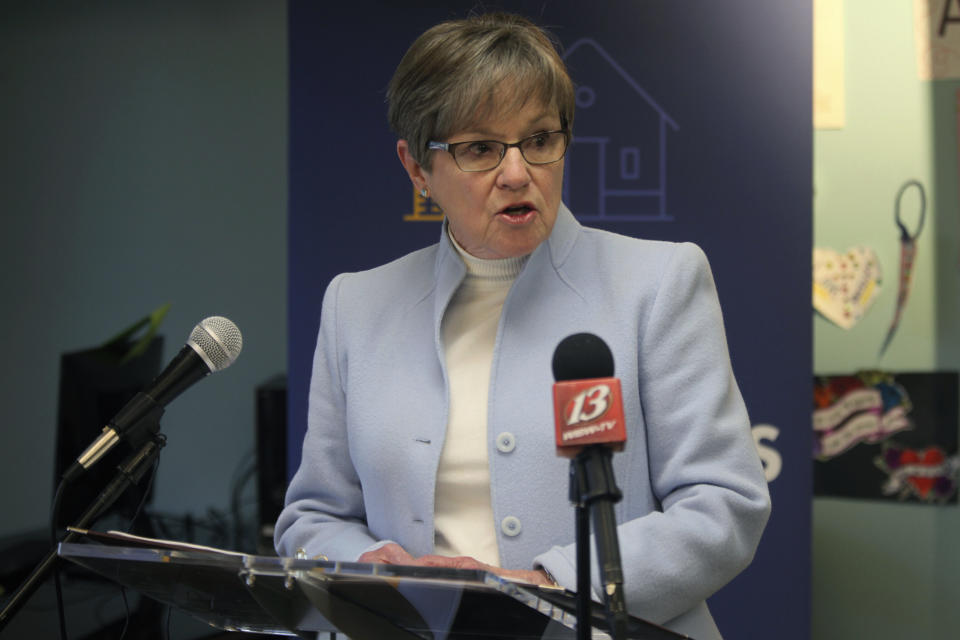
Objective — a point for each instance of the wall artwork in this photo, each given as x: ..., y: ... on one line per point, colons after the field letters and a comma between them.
x: 936, y: 26
x: 829, y: 85
x: 909, y: 232
x: 845, y: 284
x: 886, y: 436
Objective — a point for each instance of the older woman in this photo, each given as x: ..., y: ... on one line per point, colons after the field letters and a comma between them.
x: 430, y: 437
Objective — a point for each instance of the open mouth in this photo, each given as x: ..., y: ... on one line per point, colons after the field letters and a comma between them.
x: 517, y: 212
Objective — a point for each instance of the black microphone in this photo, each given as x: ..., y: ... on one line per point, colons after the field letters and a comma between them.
x: 213, y: 345
x: 589, y: 423
x: 588, y: 405
x: 582, y: 355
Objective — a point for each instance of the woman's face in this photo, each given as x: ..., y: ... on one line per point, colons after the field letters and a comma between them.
x: 505, y: 212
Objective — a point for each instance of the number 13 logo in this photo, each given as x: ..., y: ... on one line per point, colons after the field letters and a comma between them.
x: 588, y: 404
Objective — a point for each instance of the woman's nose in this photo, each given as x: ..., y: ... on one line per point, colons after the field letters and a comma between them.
x: 514, y: 170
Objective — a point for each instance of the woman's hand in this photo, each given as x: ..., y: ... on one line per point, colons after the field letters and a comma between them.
x: 390, y: 553
x: 536, y: 576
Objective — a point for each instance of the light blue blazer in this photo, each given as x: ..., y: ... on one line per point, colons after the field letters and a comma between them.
x: 695, y: 501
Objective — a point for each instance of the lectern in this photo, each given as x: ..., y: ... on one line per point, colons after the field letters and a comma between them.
x: 298, y: 597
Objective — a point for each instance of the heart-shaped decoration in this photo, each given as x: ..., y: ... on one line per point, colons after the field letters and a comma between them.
x: 929, y: 474
x: 845, y: 284
x: 929, y: 459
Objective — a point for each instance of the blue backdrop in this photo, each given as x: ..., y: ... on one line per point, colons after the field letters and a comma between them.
x: 693, y: 123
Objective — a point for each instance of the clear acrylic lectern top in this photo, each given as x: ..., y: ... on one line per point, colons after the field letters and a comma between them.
x: 290, y: 596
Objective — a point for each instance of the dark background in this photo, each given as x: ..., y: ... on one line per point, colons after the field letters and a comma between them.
x: 733, y: 76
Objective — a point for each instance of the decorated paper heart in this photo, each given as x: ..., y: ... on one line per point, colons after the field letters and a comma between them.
x: 845, y: 284
x: 932, y: 459
x: 928, y: 474
x: 924, y: 465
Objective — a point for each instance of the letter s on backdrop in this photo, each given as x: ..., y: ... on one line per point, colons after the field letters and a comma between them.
x: 770, y: 457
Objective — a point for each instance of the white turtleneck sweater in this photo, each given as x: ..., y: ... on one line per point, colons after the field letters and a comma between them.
x: 464, y: 522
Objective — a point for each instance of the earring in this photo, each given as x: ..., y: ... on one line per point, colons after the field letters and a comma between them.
x: 424, y: 192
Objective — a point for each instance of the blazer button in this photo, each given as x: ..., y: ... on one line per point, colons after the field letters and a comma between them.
x: 510, y: 526
x: 506, y: 442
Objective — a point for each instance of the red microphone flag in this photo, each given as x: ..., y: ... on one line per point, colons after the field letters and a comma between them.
x: 588, y: 411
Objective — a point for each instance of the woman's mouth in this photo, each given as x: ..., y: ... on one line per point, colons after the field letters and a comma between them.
x: 517, y: 214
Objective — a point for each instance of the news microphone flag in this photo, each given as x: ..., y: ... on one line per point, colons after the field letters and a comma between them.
x: 588, y: 412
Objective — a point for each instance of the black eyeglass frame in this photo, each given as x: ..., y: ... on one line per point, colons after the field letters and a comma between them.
x: 451, y: 147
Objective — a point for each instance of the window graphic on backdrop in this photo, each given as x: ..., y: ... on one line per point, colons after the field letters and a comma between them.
x: 616, y: 166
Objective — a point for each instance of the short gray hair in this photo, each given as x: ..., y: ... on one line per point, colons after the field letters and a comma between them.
x: 460, y: 73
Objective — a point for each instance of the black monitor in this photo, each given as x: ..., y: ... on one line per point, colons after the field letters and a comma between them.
x: 94, y: 385
x: 271, y: 428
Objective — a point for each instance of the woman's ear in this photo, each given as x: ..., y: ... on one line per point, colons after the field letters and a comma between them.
x: 414, y: 170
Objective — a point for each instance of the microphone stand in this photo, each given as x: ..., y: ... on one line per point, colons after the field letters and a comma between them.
x: 130, y: 472
x: 593, y: 485
x: 577, y: 489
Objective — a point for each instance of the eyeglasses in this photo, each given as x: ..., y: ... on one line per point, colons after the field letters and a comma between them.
x: 545, y: 147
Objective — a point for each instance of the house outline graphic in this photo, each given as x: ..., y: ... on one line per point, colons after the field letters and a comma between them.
x: 585, y: 97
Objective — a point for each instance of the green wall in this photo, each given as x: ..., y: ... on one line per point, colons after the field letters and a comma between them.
x: 889, y: 570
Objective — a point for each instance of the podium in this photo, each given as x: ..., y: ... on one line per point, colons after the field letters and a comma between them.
x: 298, y: 597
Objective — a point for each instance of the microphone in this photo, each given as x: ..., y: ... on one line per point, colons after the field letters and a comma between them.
x: 213, y: 345
x: 589, y: 424
x: 587, y: 402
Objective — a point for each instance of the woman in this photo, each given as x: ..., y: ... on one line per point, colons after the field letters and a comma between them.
x: 430, y: 436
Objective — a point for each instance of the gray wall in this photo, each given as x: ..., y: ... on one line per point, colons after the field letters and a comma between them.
x: 143, y: 161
